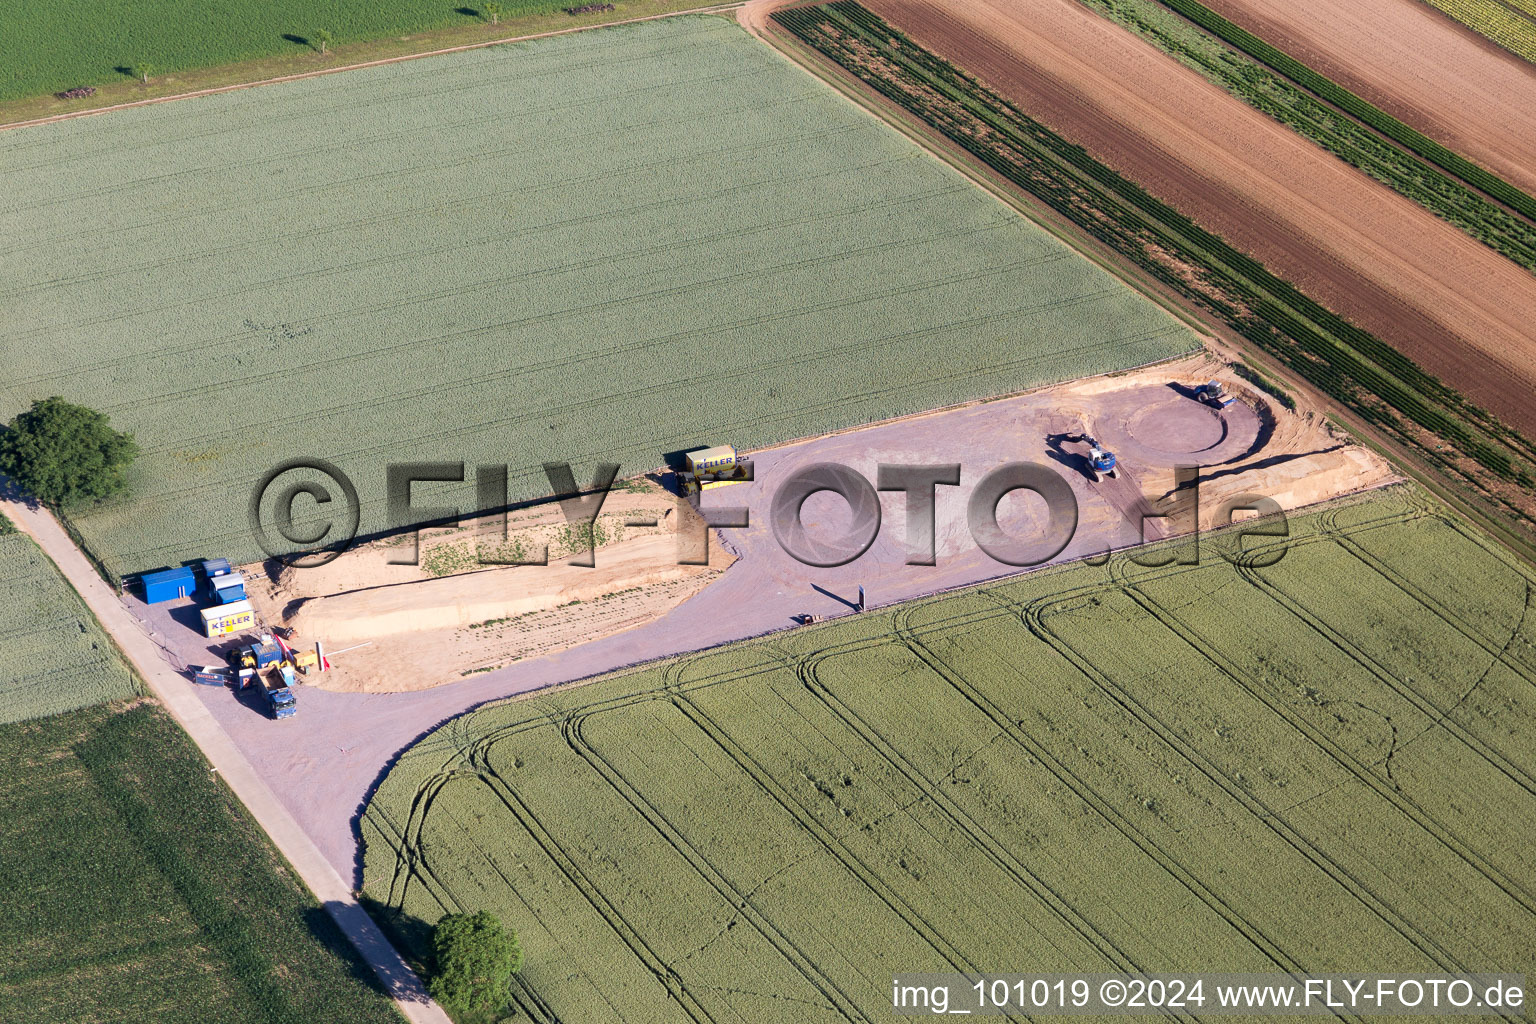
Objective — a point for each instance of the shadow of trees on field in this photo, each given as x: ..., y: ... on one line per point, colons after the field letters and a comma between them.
x: 468, y: 12
x: 402, y: 929
x: 298, y: 40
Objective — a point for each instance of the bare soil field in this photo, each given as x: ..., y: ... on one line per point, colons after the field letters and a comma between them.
x: 1446, y: 301
x: 1418, y: 65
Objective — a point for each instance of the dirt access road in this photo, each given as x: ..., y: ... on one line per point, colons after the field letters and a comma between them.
x: 1450, y: 303
x: 178, y: 698
x: 1416, y: 64
x: 328, y: 757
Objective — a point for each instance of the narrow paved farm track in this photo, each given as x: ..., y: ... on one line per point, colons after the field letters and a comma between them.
x: 915, y: 768
x: 144, y: 654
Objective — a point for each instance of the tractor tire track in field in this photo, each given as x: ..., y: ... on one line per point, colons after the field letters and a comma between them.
x: 747, y: 154
x: 1104, y: 808
x: 1428, y: 706
x: 427, y: 442
x: 974, y: 829
x: 627, y: 933
x: 465, y: 756
x: 741, y: 903
x: 338, y: 363
x: 628, y: 350
x: 1500, y: 652
x: 1033, y: 617
x: 1347, y: 761
x: 415, y: 255
x: 639, y: 254
x: 406, y: 841
x: 411, y: 864
x: 808, y: 822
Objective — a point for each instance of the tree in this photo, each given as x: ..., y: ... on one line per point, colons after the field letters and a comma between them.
x: 491, y: 11
x: 65, y: 455
x: 476, y: 958
x: 323, y: 37
x: 142, y: 70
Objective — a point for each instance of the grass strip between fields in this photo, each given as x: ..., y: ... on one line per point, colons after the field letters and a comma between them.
x: 1384, y: 159
x: 1364, y: 374
x: 1391, y: 127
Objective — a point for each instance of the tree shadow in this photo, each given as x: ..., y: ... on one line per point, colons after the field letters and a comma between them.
x: 299, y: 40
x: 468, y: 12
x: 322, y: 924
x: 126, y: 71
x: 12, y: 491
x: 410, y: 934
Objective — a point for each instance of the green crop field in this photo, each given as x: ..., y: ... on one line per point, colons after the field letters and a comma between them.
x: 138, y: 890
x: 599, y: 247
x: 1322, y: 763
x: 51, y: 45
x: 53, y: 655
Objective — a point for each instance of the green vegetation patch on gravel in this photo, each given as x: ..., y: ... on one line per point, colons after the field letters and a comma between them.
x: 1114, y: 768
x: 53, y: 655
x: 599, y: 247
x: 139, y: 890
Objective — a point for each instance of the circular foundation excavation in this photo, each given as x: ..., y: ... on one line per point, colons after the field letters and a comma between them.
x: 1178, y: 426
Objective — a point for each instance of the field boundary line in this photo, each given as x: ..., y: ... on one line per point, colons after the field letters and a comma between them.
x: 175, y: 694
x: 301, y: 75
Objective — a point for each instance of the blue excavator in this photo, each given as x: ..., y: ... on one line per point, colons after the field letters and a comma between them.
x: 1101, y: 460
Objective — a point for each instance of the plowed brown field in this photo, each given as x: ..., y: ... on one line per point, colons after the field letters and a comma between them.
x: 1460, y: 310
x: 1418, y: 65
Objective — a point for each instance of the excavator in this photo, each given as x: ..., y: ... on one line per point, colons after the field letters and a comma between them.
x: 1101, y: 460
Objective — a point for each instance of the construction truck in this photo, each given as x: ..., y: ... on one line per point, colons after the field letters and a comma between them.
x: 264, y: 653
x: 277, y: 686
x: 713, y: 467
x: 1101, y: 460
x: 1214, y: 393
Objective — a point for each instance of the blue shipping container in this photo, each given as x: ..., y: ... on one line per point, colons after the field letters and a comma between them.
x: 168, y: 585
x: 234, y: 593
x: 215, y: 567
